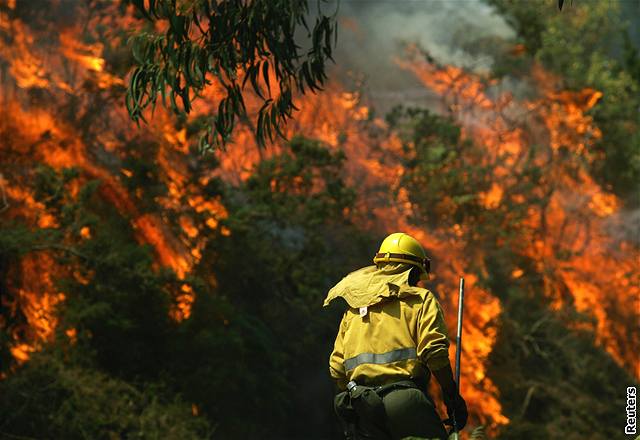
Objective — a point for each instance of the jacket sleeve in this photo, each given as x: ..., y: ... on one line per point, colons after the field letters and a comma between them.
x: 336, y: 359
x: 433, y: 342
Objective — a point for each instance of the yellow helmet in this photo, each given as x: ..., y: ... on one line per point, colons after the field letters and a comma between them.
x: 403, y: 248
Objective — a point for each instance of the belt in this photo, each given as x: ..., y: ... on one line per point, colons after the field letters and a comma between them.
x: 383, y: 390
x: 400, y: 385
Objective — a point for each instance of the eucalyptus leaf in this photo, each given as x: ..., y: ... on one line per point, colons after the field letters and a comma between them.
x: 222, y: 39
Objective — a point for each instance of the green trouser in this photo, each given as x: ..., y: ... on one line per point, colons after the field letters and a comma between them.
x: 393, y: 411
x: 411, y: 413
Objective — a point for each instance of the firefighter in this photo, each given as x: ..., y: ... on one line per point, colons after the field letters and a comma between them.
x: 391, y: 339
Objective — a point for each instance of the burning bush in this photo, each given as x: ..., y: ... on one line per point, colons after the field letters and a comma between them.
x: 128, y: 258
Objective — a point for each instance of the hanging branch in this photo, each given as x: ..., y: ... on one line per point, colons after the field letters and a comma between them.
x: 233, y: 43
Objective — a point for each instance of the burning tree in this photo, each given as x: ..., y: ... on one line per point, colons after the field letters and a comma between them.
x: 137, y: 274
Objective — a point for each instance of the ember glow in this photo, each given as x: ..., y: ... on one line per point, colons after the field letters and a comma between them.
x: 569, y: 239
x: 33, y: 132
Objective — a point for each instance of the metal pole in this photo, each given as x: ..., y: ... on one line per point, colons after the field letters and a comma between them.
x: 459, y: 335
x: 458, y: 348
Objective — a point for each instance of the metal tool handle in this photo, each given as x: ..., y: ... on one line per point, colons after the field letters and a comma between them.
x: 459, y: 335
x: 458, y: 350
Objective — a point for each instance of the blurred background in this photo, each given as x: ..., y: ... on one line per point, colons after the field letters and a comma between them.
x: 150, y: 291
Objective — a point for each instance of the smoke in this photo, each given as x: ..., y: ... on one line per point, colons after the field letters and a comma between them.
x: 373, y: 35
x: 624, y: 226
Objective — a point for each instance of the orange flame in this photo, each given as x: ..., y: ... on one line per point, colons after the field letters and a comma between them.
x: 570, y: 238
x: 569, y: 235
x: 37, y: 134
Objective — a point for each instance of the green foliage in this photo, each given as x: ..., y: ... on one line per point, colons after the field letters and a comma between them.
x: 447, y: 177
x: 143, y: 182
x: 18, y: 240
x: 227, y: 361
x: 115, y: 298
x: 527, y: 18
x: 587, y: 46
x: 544, y: 369
x: 443, y: 173
x: 251, y: 358
x: 304, y: 182
x: 290, y: 240
x: 122, y: 314
x: 252, y: 355
x: 49, y: 397
x: 554, y: 382
x: 235, y: 43
x: 284, y: 221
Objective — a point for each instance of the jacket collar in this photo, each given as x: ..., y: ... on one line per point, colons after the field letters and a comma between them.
x: 371, y: 285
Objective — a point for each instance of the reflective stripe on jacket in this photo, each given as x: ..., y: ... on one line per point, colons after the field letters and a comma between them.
x: 399, y: 336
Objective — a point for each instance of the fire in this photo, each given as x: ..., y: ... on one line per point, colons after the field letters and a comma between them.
x: 567, y: 237
x: 26, y: 69
x: 72, y: 334
x: 481, y: 311
x: 589, y: 273
x: 36, y: 298
x: 603, y: 205
x: 336, y: 118
x: 492, y: 198
x: 85, y: 232
x: 570, y: 234
x: 86, y: 56
x: 21, y: 352
x: 36, y: 133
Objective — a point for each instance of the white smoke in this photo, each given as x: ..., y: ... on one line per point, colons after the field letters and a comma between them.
x: 624, y: 225
x: 372, y: 35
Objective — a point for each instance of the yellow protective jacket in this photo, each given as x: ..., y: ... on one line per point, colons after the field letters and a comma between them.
x: 390, y: 332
